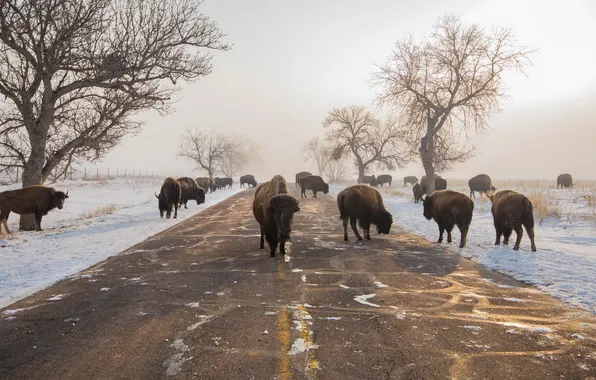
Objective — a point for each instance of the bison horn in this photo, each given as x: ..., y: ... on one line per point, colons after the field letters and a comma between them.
x: 156, y: 196
x: 66, y: 195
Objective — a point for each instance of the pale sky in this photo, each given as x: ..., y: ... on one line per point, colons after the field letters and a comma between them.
x: 291, y: 62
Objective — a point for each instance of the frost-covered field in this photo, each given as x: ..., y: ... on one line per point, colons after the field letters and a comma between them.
x: 565, y: 263
x: 99, y: 219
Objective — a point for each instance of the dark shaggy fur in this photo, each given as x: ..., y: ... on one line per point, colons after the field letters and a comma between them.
x: 482, y: 184
x: 300, y: 175
x: 512, y: 210
x: 38, y: 200
x: 363, y: 204
x: 384, y: 178
x: 564, y: 181
x: 248, y: 179
x: 449, y: 208
x: 190, y: 190
x: 227, y: 182
x: 417, y: 190
x: 369, y: 179
x: 204, y: 183
x: 314, y: 183
x: 440, y: 184
x: 169, y: 197
x: 274, y: 209
x: 410, y: 179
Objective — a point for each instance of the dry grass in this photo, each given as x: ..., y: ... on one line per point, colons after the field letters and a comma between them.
x: 545, y: 205
x: 397, y: 193
x: 102, y: 210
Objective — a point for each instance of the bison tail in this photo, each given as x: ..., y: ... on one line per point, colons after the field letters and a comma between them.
x: 528, y: 219
x: 340, y: 205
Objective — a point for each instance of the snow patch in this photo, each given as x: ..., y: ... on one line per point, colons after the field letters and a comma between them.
x: 57, y: 297
x: 297, y: 270
x: 380, y: 284
x: 475, y: 328
x: 363, y: 300
x: 203, y: 319
x: 193, y: 305
x: 300, y: 345
x: 511, y: 299
x: 540, y: 329
x: 173, y: 364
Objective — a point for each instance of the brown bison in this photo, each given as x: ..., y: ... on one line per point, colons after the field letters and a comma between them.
x: 417, y: 190
x: 169, y: 197
x: 218, y: 182
x: 248, y: 179
x: 300, y: 175
x: 38, y: 200
x: 384, y: 178
x: 314, y: 183
x: 274, y: 209
x: 449, y: 208
x: 440, y: 184
x: 410, y: 179
x: 227, y: 182
x: 512, y: 210
x: 482, y: 184
x: 190, y: 190
x: 204, y: 183
x: 365, y: 204
x: 369, y: 179
x: 564, y: 181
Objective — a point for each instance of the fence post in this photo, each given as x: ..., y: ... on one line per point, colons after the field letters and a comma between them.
x: 97, y: 175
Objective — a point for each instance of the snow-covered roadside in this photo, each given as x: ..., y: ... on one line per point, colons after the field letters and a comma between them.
x: 71, y: 241
x: 564, y: 265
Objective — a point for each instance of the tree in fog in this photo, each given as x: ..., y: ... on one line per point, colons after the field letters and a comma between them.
x: 207, y: 149
x: 355, y: 132
x: 319, y: 151
x: 448, y: 85
x: 74, y: 73
x: 243, y: 152
x: 337, y: 170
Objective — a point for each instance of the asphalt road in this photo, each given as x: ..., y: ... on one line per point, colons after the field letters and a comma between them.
x: 201, y: 301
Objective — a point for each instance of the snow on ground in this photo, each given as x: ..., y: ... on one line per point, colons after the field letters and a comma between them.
x: 83, y: 234
x: 565, y: 262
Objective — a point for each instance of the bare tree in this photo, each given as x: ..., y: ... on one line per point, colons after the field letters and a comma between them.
x: 319, y: 151
x: 337, y: 170
x: 75, y: 72
x: 447, y: 85
x: 243, y: 153
x: 354, y: 131
x: 207, y: 149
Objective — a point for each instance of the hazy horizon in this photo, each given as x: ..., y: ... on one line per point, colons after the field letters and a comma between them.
x: 291, y: 63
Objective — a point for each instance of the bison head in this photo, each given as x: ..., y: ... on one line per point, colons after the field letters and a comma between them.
x: 164, y: 207
x: 427, y: 202
x: 200, y: 195
x: 282, y: 208
x: 325, y: 188
x: 58, y: 198
x: 383, y: 220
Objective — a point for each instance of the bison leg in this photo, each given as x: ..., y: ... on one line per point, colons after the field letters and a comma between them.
x: 5, y: 224
x: 531, y: 235
x: 38, y: 217
x: 367, y: 232
x: 441, y: 230
x: 315, y: 193
x: 353, y: 224
x: 262, y: 243
x: 449, y: 229
x: 464, y: 234
x: 303, y: 193
x: 345, y: 223
x: 506, y: 234
x: 282, y: 247
x: 175, y: 210
x: 499, y: 233
x: 520, y: 232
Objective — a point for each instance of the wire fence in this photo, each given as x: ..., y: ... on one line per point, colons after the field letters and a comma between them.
x: 100, y: 174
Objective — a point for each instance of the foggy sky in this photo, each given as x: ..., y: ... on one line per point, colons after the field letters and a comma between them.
x: 291, y: 62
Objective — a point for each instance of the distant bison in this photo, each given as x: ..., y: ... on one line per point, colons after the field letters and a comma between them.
x: 38, y: 200
x: 449, y: 208
x: 410, y: 179
x: 227, y: 182
x: 481, y: 183
x: 417, y: 190
x: 512, y: 210
x: 369, y: 179
x: 274, y: 209
x: 440, y: 184
x: 218, y: 183
x: 169, y: 197
x: 190, y: 191
x: 564, y: 181
x: 300, y: 175
x: 249, y: 180
x: 314, y: 183
x: 384, y: 178
x: 204, y: 183
x: 365, y: 204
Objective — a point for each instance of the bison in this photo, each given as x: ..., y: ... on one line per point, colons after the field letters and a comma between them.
x: 365, y: 204
x: 248, y: 179
x: 369, y: 179
x: 440, y: 184
x: 274, y: 209
x: 227, y: 182
x: 482, y: 184
x: 314, y: 183
x: 512, y: 210
x: 218, y: 183
x: 169, y: 197
x: 38, y: 200
x: 190, y: 190
x: 449, y: 208
x: 204, y: 183
x: 417, y: 190
x: 410, y: 179
x: 384, y: 178
x: 564, y: 181
x: 300, y: 175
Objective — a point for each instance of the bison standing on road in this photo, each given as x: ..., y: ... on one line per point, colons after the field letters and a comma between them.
x: 449, y: 208
x: 248, y: 179
x: 384, y: 178
x: 190, y: 190
x: 300, y: 175
x: 417, y: 190
x: 512, y: 210
x: 410, y: 179
x: 169, y: 197
x: 314, y: 183
x: 365, y: 204
x: 440, y: 184
x: 274, y: 209
x: 482, y: 184
x: 369, y: 179
x: 564, y: 181
x: 204, y: 183
x: 38, y: 200
x: 227, y: 182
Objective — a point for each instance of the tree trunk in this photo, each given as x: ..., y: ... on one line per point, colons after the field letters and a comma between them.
x: 426, y: 156
x: 32, y: 176
x: 361, y: 169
